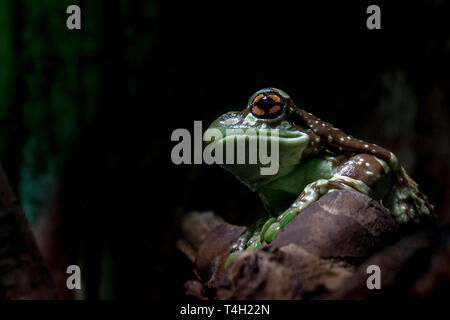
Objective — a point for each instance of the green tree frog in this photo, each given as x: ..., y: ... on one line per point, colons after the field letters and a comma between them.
x: 314, y: 158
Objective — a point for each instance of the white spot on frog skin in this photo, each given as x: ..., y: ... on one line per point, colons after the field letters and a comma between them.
x: 249, y: 120
x: 349, y: 138
x: 330, y: 138
x: 342, y: 139
x: 366, y: 146
x: 316, y: 121
x: 373, y: 151
x: 323, y: 124
x: 230, y: 121
x: 317, y: 140
x: 367, y: 164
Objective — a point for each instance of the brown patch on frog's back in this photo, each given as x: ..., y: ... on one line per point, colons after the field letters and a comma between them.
x: 300, y: 125
x: 340, y: 140
x: 362, y: 167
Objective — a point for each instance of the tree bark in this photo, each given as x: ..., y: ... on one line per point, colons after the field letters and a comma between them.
x: 324, y: 253
x: 23, y: 274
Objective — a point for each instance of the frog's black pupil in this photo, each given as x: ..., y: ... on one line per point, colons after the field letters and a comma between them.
x: 265, y: 103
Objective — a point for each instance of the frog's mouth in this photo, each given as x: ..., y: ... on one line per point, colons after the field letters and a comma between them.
x: 283, y: 137
x: 246, y: 152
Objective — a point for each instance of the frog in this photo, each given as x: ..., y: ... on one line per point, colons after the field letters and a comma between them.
x: 315, y: 158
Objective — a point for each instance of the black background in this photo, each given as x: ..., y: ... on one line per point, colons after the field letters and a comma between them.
x: 119, y: 190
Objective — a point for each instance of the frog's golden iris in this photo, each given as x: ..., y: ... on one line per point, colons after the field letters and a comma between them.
x: 267, y: 106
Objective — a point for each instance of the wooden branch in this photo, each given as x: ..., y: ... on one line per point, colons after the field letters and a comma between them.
x: 321, y: 254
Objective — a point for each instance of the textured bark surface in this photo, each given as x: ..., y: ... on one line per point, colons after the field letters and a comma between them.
x: 23, y: 274
x: 323, y: 254
x: 342, y: 224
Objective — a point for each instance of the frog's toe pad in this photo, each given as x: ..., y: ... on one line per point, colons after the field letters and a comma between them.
x: 408, y: 205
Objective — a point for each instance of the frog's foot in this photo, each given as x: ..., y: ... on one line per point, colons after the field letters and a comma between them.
x: 252, y: 241
x: 310, y: 194
x: 273, y: 226
x: 407, y: 203
x: 247, y: 241
x: 363, y: 173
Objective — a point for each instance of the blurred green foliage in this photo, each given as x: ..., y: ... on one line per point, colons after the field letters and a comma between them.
x: 49, y: 84
x: 6, y: 69
x: 53, y: 83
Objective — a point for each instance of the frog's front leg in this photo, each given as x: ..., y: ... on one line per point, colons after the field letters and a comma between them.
x: 363, y: 173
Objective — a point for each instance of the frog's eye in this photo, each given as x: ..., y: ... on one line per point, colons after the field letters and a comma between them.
x: 267, y: 106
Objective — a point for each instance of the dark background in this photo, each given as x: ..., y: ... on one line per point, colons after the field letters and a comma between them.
x: 86, y: 116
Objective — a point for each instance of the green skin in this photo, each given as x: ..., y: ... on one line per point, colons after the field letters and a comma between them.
x: 314, y: 158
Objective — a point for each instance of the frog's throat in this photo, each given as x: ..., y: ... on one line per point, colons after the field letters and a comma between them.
x: 290, y: 152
